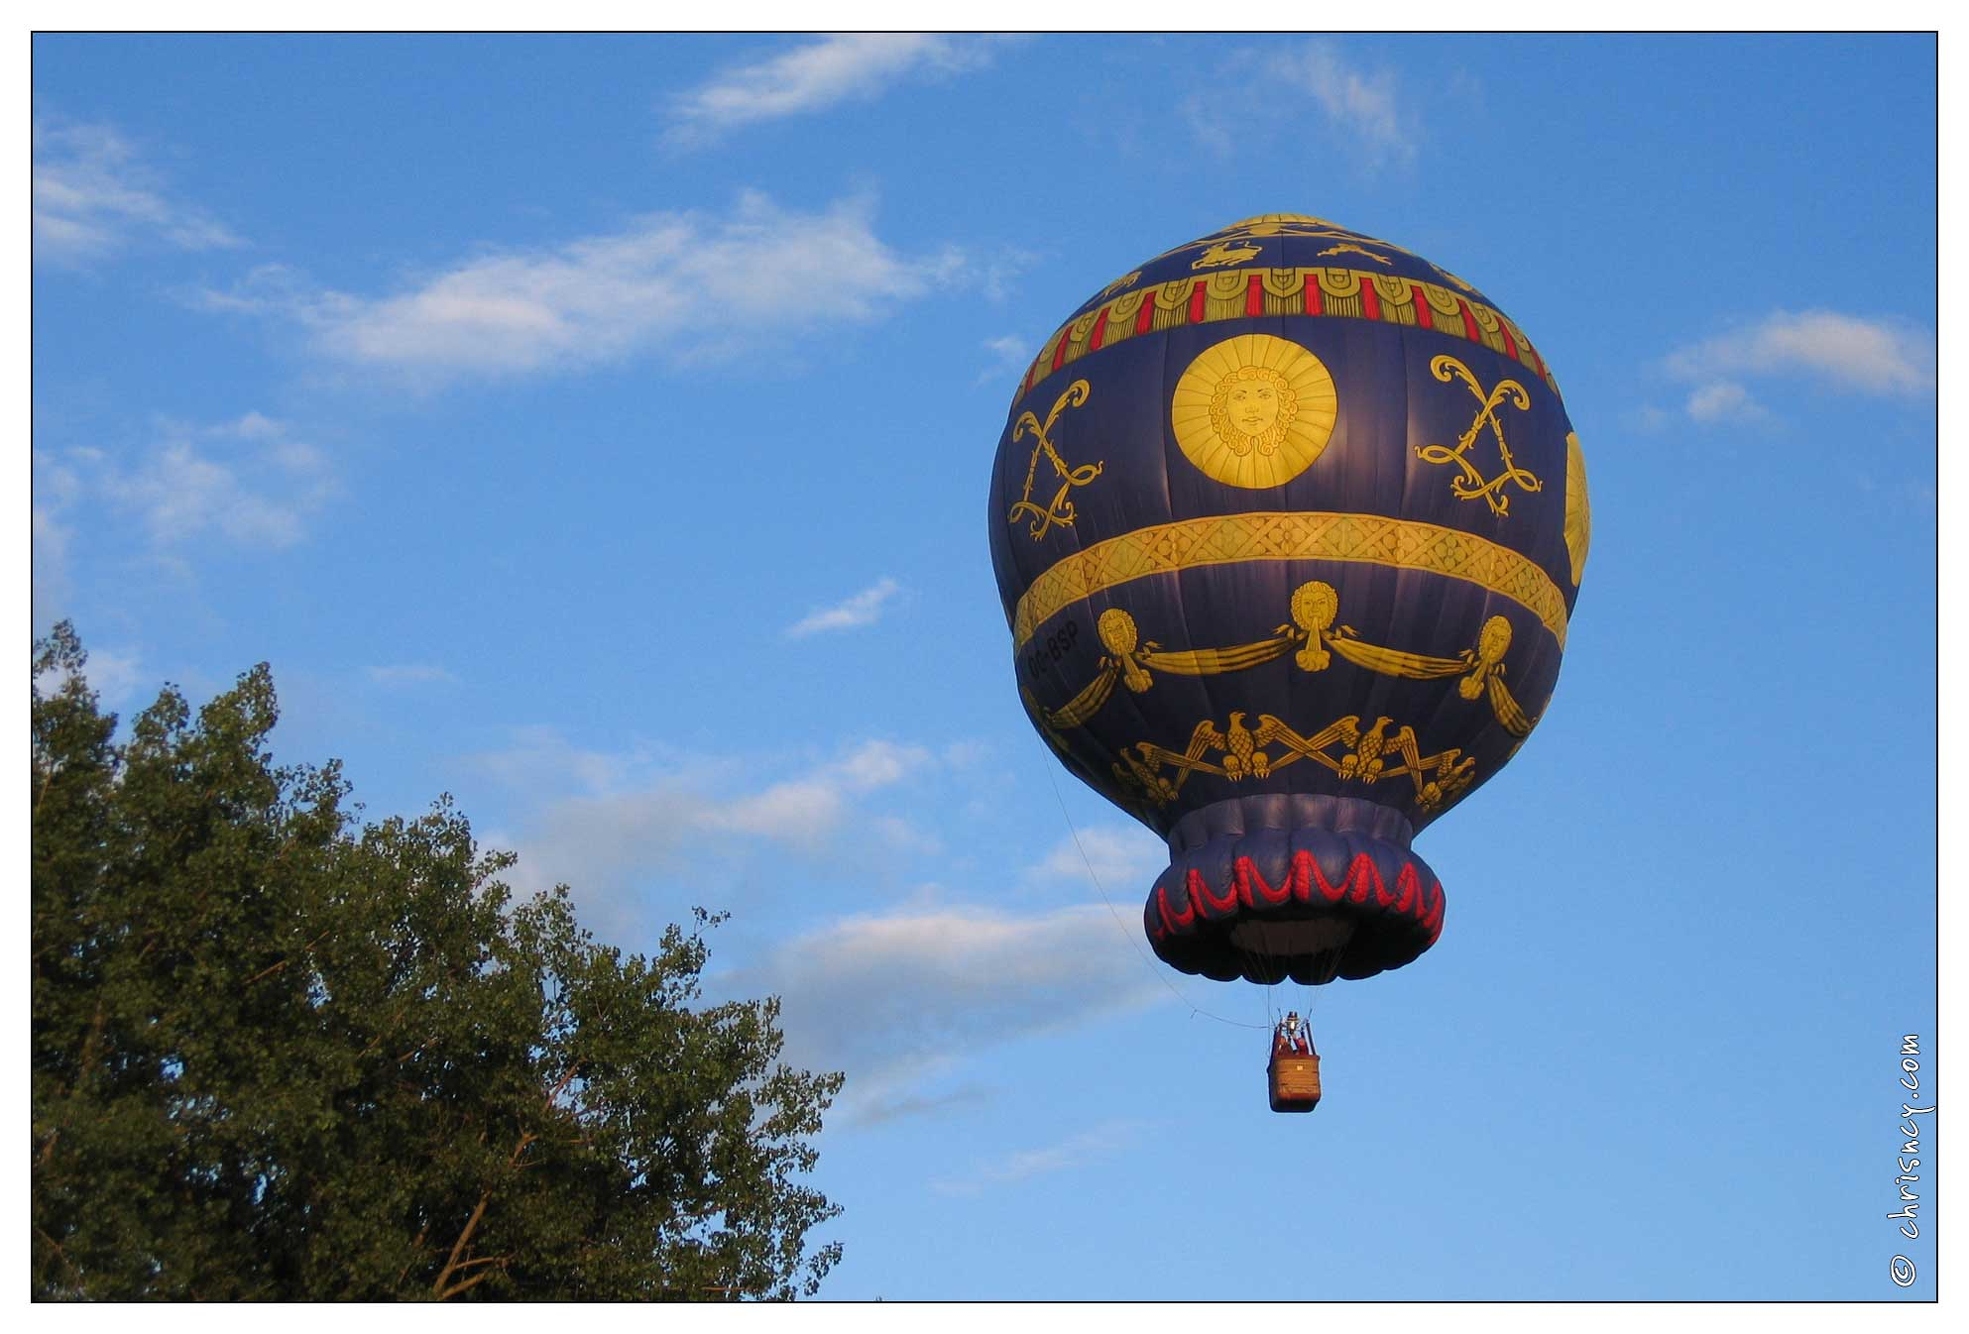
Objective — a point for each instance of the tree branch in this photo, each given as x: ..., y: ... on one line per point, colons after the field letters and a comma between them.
x: 70, y: 1264
x: 526, y: 1138
x: 476, y: 1278
x: 566, y: 1079
x: 457, y: 1249
x: 417, y: 1245
x: 414, y: 1050
x: 267, y: 972
x: 484, y: 1260
x: 85, y: 1064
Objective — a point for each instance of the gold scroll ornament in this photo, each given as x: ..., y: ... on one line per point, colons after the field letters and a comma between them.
x: 1366, y: 755
x: 1313, y: 639
x: 1059, y: 510
x: 1473, y: 485
x: 1254, y: 410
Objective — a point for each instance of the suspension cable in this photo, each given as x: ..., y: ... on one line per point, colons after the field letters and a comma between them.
x: 1134, y: 937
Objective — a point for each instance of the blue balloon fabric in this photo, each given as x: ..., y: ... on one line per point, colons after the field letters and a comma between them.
x: 1288, y: 524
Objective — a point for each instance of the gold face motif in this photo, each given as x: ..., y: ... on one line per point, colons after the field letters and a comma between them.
x: 1253, y: 400
x: 1254, y: 410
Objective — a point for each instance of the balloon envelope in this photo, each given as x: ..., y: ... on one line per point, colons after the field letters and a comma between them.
x: 1288, y: 524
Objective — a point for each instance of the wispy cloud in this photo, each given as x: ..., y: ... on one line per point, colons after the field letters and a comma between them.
x: 1849, y: 351
x: 864, y: 608
x: 1104, y: 1140
x: 896, y: 999
x: 805, y: 812
x: 1122, y: 859
x: 644, y: 817
x: 93, y: 196
x: 899, y: 992
x: 1724, y: 400
x: 1838, y: 352
x: 813, y: 77
x: 112, y: 675
x: 55, y: 489
x: 408, y: 674
x: 686, y: 284
x: 1363, y: 110
x: 1362, y: 105
x: 249, y: 481
x: 872, y: 1113
x: 540, y: 759
x: 1010, y: 355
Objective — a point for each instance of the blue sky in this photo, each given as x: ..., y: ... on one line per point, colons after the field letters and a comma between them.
x: 599, y: 430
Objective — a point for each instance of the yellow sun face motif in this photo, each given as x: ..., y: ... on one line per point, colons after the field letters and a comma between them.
x: 1254, y: 410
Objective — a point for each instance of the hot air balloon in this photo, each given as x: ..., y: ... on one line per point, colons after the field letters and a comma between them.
x: 1288, y: 523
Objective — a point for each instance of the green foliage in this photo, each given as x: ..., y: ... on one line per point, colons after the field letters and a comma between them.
x: 281, y: 1056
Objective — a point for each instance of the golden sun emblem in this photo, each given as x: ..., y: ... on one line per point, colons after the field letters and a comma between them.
x: 1254, y: 410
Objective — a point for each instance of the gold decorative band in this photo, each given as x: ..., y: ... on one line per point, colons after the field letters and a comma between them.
x: 1232, y: 539
x: 1237, y: 294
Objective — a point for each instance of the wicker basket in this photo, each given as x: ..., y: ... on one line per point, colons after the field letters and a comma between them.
x: 1294, y: 1083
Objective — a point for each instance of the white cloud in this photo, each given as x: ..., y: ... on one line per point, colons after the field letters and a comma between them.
x: 1123, y: 860
x: 112, y: 675
x: 875, y: 764
x: 541, y: 759
x: 1250, y: 93
x: 57, y: 486
x: 966, y: 754
x: 806, y: 812
x: 49, y: 578
x: 606, y: 846
x: 408, y: 674
x: 630, y: 826
x: 1844, y: 352
x: 1648, y: 417
x: 93, y: 196
x: 812, y: 77
x: 864, y: 608
x: 803, y: 812
x: 248, y: 480
x: 1724, y: 400
x: 1363, y: 106
x: 1102, y: 1141
x: 115, y: 676
x: 924, y: 1104
x: 897, y: 996
x: 690, y: 285
x: 1010, y: 356
x: 903, y: 837
x: 896, y: 1000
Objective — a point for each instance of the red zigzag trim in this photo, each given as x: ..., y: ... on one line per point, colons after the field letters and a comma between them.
x: 1249, y: 888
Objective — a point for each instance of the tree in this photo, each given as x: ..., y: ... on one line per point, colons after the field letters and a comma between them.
x: 278, y: 1055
